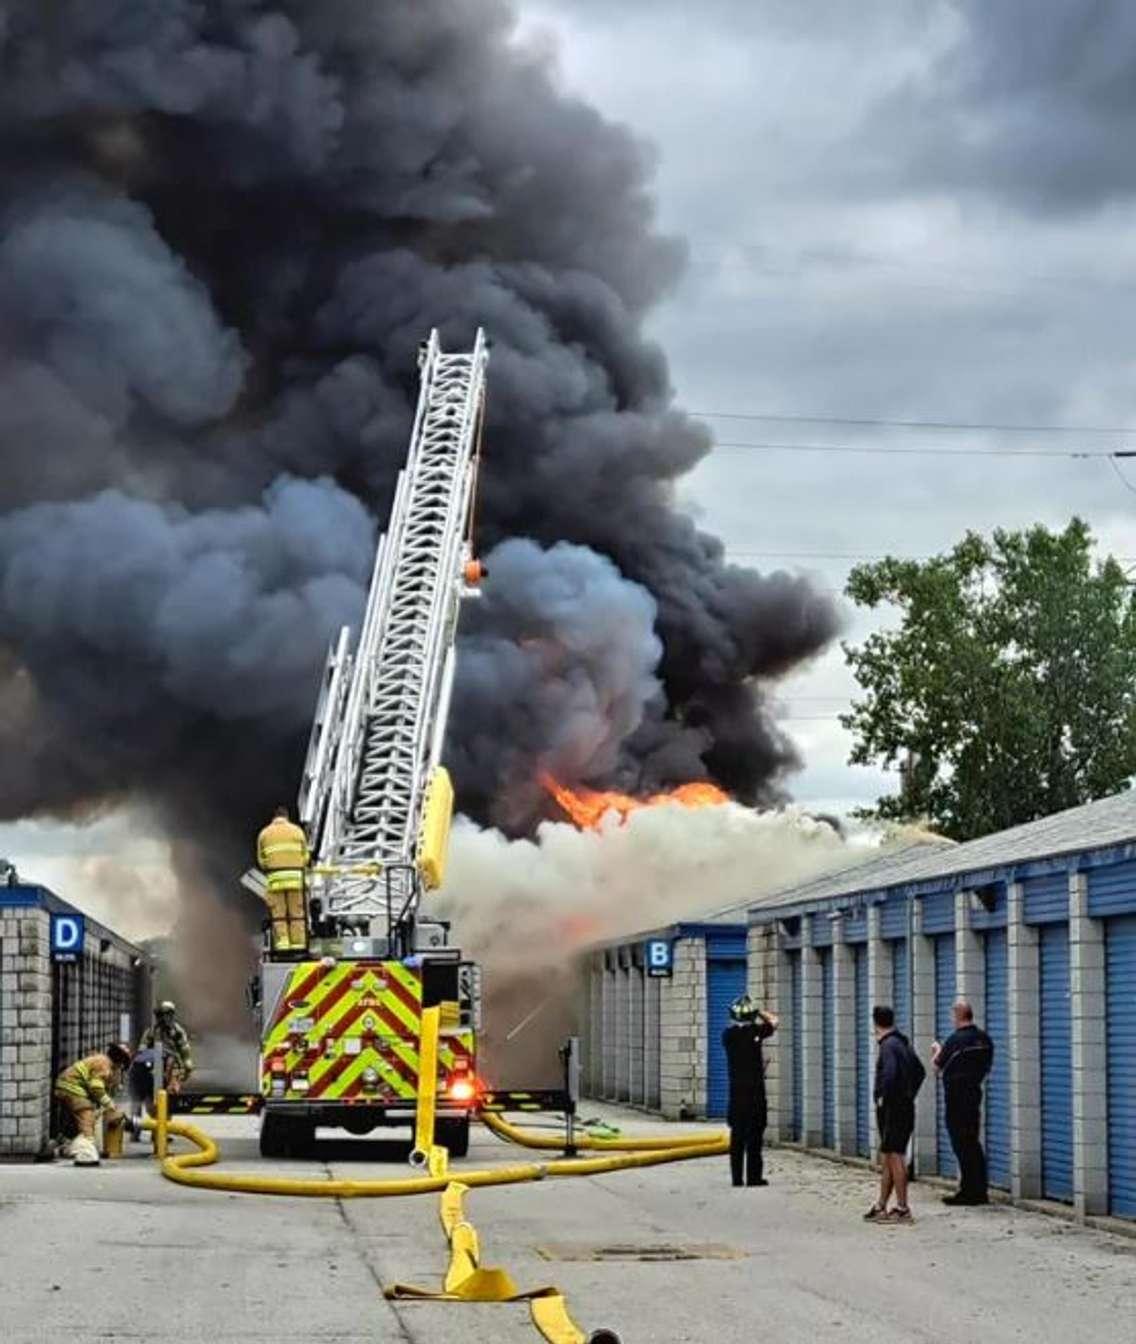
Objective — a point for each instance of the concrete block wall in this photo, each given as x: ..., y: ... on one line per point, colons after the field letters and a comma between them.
x: 1090, y: 1052
x: 844, y: 1039
x: 767, y: 981
x: 812, y: 1039
x: 25, y: 1031
x: 1024, y: 975
x: 682, y: 1055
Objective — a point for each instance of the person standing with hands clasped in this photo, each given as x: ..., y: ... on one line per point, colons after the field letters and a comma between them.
x: 899, y: 1076
x: 747, y: 1112
x: 962, y: 1063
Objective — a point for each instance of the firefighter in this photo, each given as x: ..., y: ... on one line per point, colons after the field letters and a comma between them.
x: 282, y: 855
x: 86, y: 1090
x: 169, y: 1033
x: 747, y: 1112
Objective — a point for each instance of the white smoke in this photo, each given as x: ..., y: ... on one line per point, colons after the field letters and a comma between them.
x: 524, y: 909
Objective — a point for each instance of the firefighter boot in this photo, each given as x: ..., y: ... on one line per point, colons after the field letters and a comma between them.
x: 84, y: 1152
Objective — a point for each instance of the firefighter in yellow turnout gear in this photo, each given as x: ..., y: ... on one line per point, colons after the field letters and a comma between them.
x: 84, y: 1091
x: 282, y: 855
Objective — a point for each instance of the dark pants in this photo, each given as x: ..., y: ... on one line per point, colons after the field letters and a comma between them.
x: 747, y: 1129
x: 964, y: 1125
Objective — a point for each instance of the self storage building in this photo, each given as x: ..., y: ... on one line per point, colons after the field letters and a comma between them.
x: 1036, y: 926
x: 68, y: 986
x: 653, y: 1010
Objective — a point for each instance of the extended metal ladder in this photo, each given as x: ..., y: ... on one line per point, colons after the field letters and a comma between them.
x: 381, y: 717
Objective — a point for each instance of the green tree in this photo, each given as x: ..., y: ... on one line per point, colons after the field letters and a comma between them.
x: 1010, y: 680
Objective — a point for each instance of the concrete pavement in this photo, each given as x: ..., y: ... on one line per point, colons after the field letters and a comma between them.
x: 120, y: 1254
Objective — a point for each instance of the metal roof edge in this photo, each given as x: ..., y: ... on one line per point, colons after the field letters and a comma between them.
x: 31, y: 896
x: 1066, y: 861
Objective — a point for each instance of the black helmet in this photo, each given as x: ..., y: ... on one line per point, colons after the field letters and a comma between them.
x: 743, y: 1009
x: 119, y: 1054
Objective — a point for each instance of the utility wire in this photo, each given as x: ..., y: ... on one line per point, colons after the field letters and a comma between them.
x: 1124, y: 481
x: 964, y: 426
x: 854, y: 448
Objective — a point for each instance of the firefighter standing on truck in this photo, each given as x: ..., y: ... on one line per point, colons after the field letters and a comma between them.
x: 86, y: 1090
x: 282, y: 855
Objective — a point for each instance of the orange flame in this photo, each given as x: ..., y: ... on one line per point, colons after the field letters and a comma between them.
x: 588, y: 807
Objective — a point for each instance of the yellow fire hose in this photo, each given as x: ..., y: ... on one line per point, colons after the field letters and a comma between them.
x: 466, y: 1279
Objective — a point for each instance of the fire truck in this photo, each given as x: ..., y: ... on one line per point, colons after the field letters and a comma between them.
x: 339, y: 1024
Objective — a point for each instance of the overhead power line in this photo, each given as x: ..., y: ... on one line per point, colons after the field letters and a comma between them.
x: 742, y: 553
x: 850, y: 449
x: 953, y: 425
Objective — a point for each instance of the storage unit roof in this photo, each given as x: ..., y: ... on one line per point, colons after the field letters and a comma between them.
x: 1100, y: 832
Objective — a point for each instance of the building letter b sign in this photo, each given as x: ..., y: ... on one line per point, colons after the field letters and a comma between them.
x: 659, y: 959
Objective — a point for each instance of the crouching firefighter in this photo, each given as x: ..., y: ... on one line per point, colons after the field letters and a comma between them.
x: 85, y: 1091
x: 747, y: 1113
x: 282, y: 855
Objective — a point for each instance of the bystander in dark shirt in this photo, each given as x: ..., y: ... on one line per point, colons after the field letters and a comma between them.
x: 893, y: 1082
x: 964, y: 1061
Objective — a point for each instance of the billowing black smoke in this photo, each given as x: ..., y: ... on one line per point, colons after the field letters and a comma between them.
x: 225, y: 226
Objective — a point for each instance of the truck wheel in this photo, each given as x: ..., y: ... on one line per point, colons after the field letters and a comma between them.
x: 453, y: 1135
x: 301, y: 1138
x: 273, y: 1135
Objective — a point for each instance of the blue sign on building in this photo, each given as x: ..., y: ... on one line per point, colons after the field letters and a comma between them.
x: 660, y: 959
x: 67, y: 937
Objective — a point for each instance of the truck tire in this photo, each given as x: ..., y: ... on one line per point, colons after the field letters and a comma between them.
x: 273, y: 1135
x: 284, y: 1136
x: 453, y: 1135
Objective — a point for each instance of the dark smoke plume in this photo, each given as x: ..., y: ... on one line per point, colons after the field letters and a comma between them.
x: 225, y: 226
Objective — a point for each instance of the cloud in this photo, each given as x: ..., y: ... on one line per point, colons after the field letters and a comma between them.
x: 1034, y: 104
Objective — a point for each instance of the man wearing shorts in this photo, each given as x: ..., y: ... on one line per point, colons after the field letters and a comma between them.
x: 897, y: 1081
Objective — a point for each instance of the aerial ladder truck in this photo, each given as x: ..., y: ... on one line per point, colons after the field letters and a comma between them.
x: 340, y: 1024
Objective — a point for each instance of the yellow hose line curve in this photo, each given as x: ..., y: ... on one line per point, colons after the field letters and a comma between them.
x: 184, y: 1169
x: 528, y: 1138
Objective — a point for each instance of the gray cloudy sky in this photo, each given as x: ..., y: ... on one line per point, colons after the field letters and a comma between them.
x: 916, y: 210
x: 899, y: 209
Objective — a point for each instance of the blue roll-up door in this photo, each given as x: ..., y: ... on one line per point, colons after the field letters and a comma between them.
x: 1056, y: 1065
x: 725, y: 981
x: 797, y: 999
x: 997, y: 1026
x: 1121, y: 1011
x: 863, y: 1051
x: 901, y: 986
x: 827, y: 1047
x: 944, y: 1024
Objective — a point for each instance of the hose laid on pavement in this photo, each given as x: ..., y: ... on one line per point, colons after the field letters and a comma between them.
x: 467, y: 1280
x: 690, y: 1144
x: 184, y: 1168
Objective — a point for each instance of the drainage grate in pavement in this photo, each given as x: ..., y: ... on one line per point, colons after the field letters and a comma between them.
x: 648, y: 1254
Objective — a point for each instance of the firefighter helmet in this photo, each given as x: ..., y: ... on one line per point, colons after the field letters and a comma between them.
x: 743, y: 1009
x: 167, y: 1008
x: 119, y: 1054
